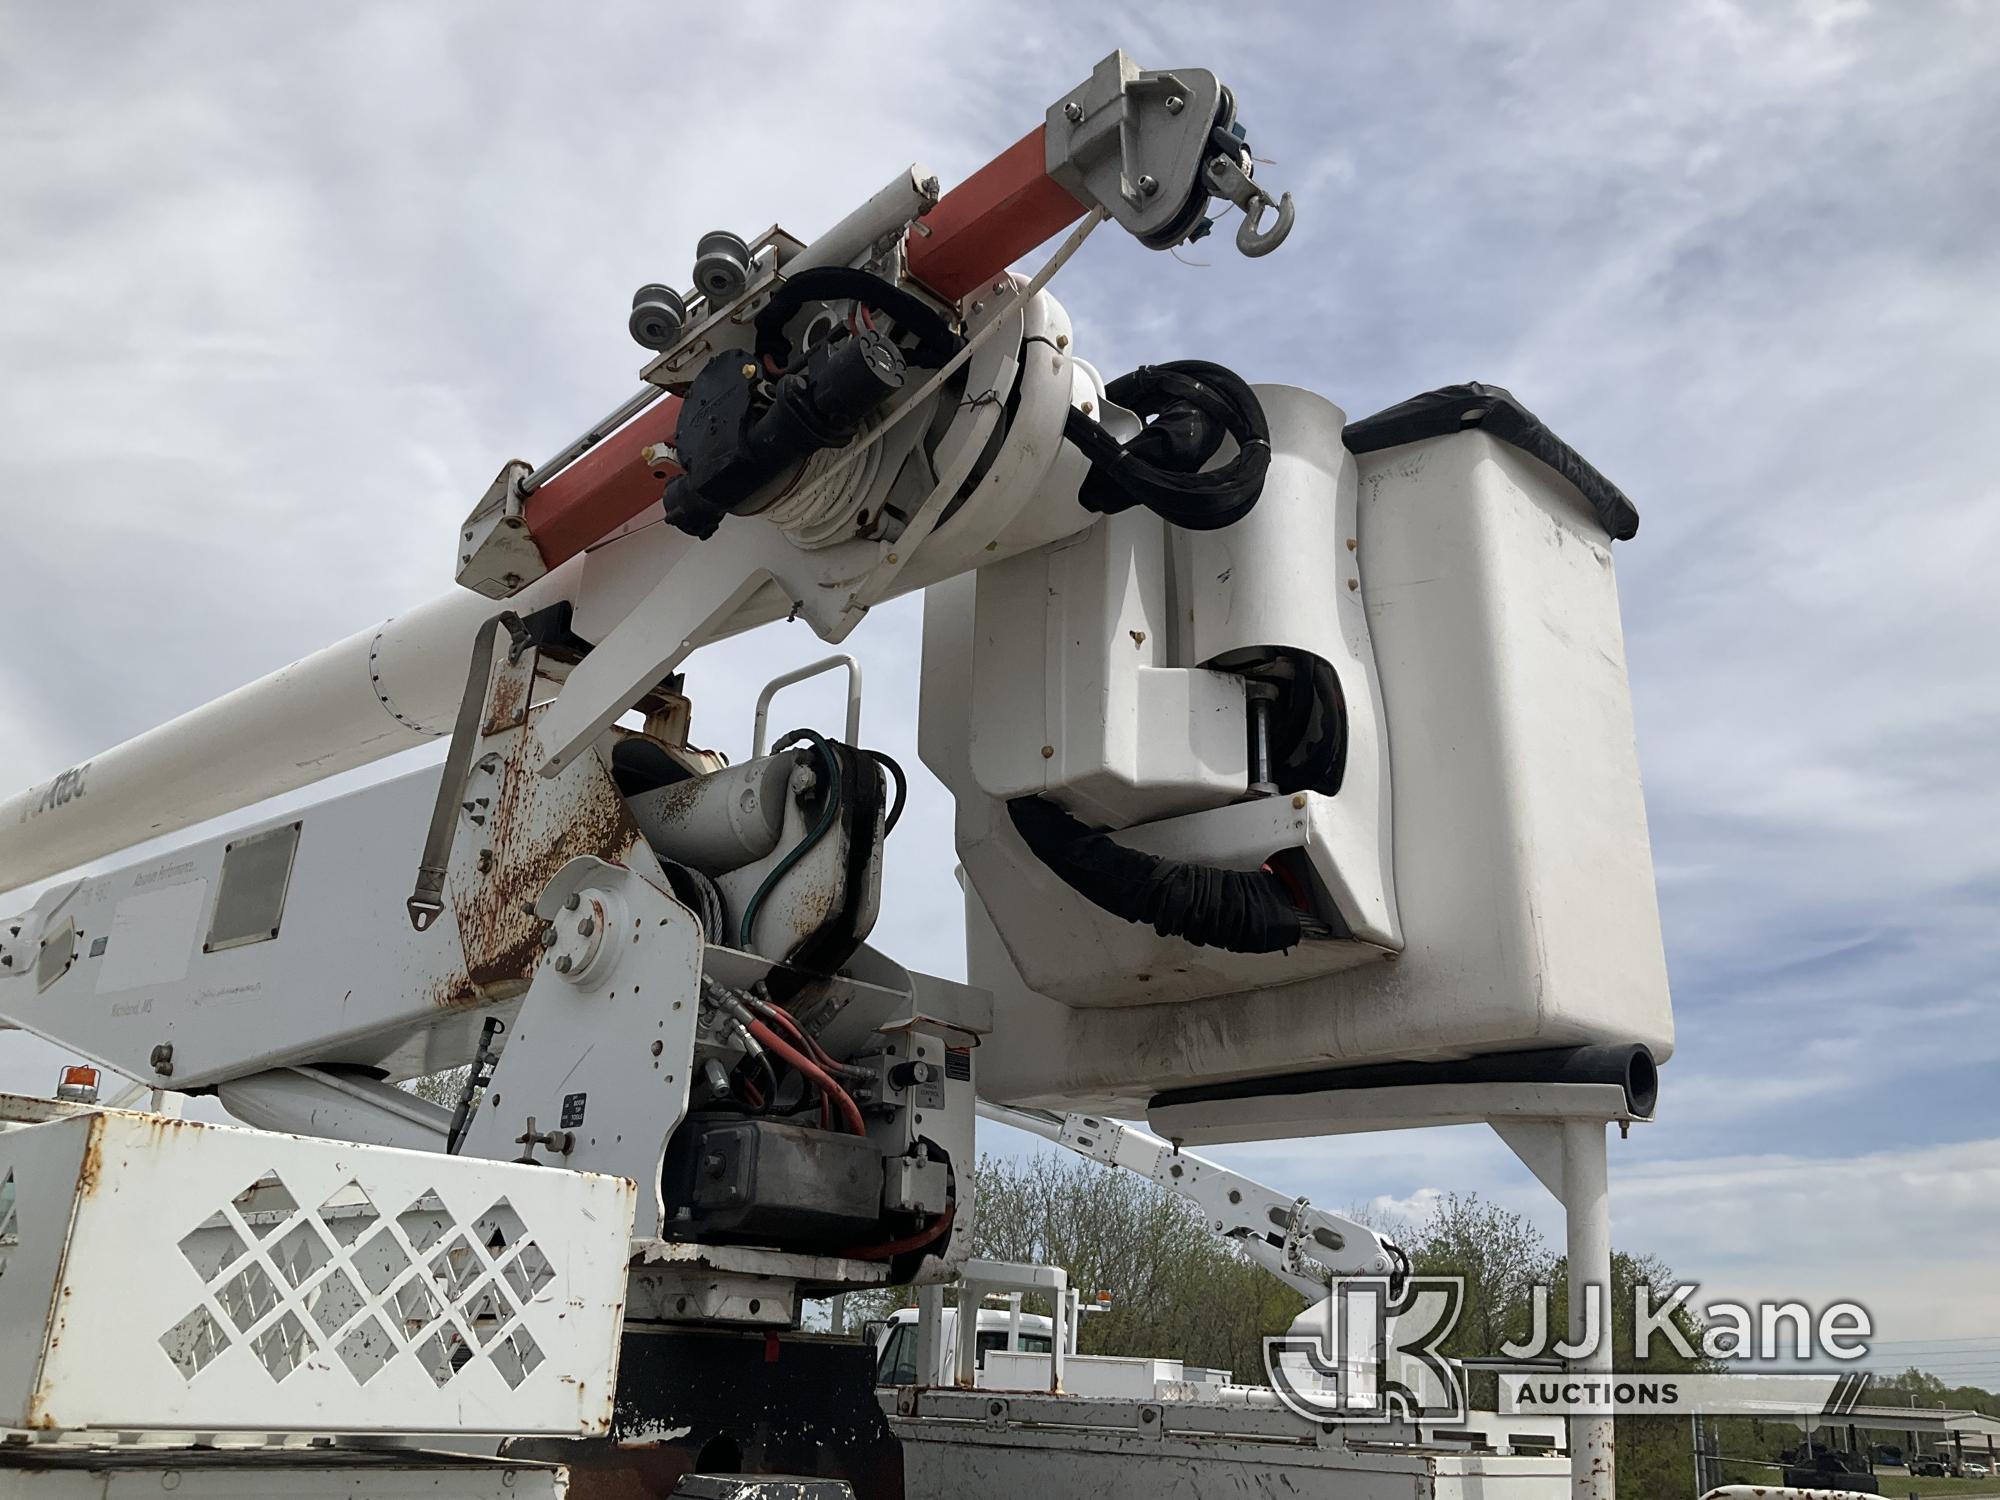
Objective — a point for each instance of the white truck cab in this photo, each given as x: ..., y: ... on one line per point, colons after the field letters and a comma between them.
x: 1007, y: 1329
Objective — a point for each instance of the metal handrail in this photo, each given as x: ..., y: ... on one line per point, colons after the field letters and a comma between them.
x: 800, y: 674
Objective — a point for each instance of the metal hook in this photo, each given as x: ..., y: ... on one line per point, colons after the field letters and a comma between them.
x: 1226, y: 178
x: 1252, y: 240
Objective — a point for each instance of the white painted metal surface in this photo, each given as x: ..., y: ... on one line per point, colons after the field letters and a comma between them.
x: 1126, y: 1377
x: 223, y: 1473
x: 1522, y: 866
x: 1286, y: 575
x: 336, y: 1106
x: 345, y: 979
x: 397, y: 685
x: 1314, y: 1244
x: 978, y: 1278
x: 1075, y: 691
x: 1086, y: 673
x: 384, y: 689
x: 601, y: 1051
x: 166, y: 1276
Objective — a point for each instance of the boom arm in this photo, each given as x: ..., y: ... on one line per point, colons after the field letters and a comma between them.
x: 1303, y: 1246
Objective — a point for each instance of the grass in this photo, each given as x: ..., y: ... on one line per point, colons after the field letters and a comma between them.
x: 1896, y: 1485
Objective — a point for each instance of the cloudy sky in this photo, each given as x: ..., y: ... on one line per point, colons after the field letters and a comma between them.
x: 281, y: 286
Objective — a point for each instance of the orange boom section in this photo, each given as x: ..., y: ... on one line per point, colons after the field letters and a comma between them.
x: 991, y: 220
x: 605, y: 488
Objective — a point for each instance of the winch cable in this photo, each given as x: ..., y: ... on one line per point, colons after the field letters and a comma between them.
x: 1194, y: 404
x: 1240, y: 911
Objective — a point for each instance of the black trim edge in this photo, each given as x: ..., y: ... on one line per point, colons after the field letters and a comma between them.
x: 1494, y: 409
x: 1631, y: 1066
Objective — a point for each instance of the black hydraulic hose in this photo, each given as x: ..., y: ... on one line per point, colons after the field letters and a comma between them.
x: 1242, y: 911
x: 888, y: 763
x: 1195, y: 404
x: 1630, y: 1066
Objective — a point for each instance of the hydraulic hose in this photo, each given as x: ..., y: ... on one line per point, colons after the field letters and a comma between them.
x: 1195, y: 404
x: 1241, y: 911
x: 843, y: 1101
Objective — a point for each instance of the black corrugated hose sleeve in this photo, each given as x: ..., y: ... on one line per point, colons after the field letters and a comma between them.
x: 1157, y: 469
x: 1237, y: 910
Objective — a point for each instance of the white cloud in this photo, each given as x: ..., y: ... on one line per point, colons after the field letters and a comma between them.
x: 1907, y: 1233
x: 284, y: 287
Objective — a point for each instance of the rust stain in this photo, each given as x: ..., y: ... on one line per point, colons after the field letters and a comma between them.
x: 509, y: 704
x: 455, y: 991
x: 535, y: 826
x: 91, y: 1172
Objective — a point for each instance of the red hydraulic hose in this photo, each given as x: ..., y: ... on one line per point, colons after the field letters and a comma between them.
x: 818, y: 1053
x: 894, y: 1248
x: 849, y: 1110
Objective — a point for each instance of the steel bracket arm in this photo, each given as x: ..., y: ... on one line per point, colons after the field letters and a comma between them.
x: 1303, y: 1246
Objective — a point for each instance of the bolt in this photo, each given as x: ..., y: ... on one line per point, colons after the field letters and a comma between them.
x: 1073, y: 112
x: 485, y: 860
x: 999, y: 288
x: 163, y: 1059
x: 573, y: 903
x: 563, y: 963
x: 1175, y: 104
x: 548, y: 935
x: 1062, y: 341
x: 749, y: 372
x: 512, y: 580
x: 1048, y: 752
x: 586, y: 927
x: 1353, y: 584
x: 1298, y: 799
x: 658, y: 1048
x: 1148, y: 184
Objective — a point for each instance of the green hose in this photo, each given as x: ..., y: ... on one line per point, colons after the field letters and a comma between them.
x: 804, y: 845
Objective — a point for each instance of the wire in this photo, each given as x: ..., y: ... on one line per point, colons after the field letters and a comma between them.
x: 770, y: 1077
x: 804, y: 845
